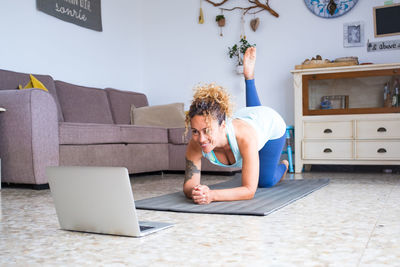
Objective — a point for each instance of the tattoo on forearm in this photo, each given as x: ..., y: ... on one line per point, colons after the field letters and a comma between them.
x: 190, y: 170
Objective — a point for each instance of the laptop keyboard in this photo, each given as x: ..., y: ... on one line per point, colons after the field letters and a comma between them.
x: 143, y: 228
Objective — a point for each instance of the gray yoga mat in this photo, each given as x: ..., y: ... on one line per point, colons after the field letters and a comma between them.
x: 265, y: 201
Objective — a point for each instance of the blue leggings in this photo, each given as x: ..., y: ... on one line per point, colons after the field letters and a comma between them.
x: 270, y: 169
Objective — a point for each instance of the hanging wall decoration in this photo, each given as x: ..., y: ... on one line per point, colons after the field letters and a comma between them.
x: 256, y: 6
x: 330, y: 8
x: 201, y: 15
x: 220, y: 19
x: 242, y: 29
x: 254, y: 23
x: 84, y: 13
x: 237, y: 51
x: 383, y: 46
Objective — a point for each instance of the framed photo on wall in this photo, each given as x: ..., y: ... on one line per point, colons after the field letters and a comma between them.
x: 353, y: 34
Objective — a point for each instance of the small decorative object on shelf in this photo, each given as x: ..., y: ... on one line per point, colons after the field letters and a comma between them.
x: 318, y: 62
x: 335, y: 102
x: 395, y: 93
x: 237, y: 51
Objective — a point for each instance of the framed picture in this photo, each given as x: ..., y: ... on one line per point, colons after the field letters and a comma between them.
x: 353, y: 34
x: 335, y: 102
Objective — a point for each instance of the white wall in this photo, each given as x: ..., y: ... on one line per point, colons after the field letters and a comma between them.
x: 179, y: 52
x: 34, y: 42
x: 157, y: 47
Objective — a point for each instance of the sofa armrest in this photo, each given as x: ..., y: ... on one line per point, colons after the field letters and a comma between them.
x: 29, y: 139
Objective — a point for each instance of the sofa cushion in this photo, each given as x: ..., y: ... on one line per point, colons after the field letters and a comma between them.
x: 169, y: 116
x: 121, y: 101
x: 176, y: 136
x: 83, y: 104
x: 33, y: 83
x: 72, y: 133
x: 11, y: 80
x: 133, y: 134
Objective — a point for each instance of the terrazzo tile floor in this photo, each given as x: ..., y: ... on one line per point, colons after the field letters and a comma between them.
x: 354, y: 221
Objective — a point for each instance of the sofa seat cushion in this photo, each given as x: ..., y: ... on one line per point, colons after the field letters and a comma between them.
x: 121, y: 102
x: 83, y: 104
x: 88, y: 133
x: 176, y: 136
x: 134, y: 134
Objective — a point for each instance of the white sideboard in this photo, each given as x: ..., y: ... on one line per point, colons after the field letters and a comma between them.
x: 357, y: 127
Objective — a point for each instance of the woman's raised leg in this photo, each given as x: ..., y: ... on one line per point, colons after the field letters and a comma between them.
x: 249, y: 63
x: 271, y: 172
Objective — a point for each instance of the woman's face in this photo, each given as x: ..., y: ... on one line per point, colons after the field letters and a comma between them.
x: 206, y: 134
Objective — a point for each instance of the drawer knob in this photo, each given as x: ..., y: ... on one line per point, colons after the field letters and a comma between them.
x: 381, y: 150
x: 381, y: 130
x: 327, y: 150
x: 327, y: 131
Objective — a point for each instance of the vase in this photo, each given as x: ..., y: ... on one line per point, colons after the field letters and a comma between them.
x: 239, y: 69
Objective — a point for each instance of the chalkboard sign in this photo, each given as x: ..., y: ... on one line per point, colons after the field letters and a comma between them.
x: 85, y: 13
x: 387, y: 20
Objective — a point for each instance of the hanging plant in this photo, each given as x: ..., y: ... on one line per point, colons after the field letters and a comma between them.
x: 220, y: 19
x: 237, y: 51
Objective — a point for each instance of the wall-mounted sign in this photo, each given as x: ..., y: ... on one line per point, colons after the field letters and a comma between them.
x: 386, y: 20
x: 383, y: 46
x: 85, y: 13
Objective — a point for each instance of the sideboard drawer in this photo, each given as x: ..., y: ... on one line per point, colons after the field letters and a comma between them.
x: 328, y: 130
x: 378, y: 129
x: 337, y: 149
x: 378, y: 150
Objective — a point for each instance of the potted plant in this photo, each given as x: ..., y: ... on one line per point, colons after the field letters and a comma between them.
x: 220, y: 19
x: 237, y: 51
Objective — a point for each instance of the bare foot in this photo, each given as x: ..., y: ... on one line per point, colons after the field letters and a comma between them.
x: 249, y: 63
x: 287, y: 167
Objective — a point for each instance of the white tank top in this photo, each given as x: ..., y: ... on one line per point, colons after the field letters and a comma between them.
x: 267, y: 123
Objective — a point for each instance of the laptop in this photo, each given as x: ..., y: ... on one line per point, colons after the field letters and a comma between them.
x: 97, y: 200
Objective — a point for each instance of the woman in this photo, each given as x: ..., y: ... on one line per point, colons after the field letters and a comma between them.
x: 252, y: 139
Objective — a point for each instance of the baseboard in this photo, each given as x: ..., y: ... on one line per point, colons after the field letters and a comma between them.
x: 26, y: 186
x: 356, y: 168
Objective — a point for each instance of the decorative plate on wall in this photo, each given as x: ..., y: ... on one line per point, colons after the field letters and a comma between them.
x: 330, y: 8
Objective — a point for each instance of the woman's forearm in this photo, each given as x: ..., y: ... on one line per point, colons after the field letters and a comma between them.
x: 188, y: 188
x: 237, y: 193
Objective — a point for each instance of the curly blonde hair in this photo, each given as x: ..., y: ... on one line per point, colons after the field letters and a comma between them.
x: 209, y: 100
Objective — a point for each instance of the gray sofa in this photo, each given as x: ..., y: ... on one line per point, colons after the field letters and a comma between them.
x: 77, y: 125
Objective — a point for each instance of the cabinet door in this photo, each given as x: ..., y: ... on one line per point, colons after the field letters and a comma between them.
x: 378, y: 150
x: 328, y: 130
x: 321, y: 149
x: 378, y: 129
